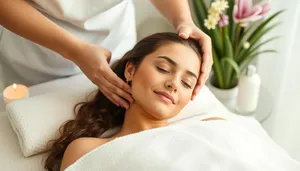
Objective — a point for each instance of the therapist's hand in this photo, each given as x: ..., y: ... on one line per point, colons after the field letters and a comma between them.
x: 93, y: 60
x: 187, y: 30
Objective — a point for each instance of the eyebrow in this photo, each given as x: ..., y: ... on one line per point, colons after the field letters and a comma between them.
x: 175, y: 64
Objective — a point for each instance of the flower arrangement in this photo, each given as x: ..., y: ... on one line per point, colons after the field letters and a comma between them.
x: 236, y: 33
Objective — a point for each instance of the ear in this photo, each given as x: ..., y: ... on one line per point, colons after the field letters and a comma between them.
x: 129, y: 71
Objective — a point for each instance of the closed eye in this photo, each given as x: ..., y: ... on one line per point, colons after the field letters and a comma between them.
x: 162, y: 70
x: 186, y: 84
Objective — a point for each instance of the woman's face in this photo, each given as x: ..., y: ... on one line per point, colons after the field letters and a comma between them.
x: 163, y: 83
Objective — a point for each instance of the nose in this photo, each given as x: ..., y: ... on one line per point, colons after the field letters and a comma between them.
x: 171, y: 85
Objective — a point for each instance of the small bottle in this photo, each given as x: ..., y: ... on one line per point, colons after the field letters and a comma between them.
x: 248, y: 91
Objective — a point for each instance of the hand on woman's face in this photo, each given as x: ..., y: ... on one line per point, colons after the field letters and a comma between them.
x: 163, y: 83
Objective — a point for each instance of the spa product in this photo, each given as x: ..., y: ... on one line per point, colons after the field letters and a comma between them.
x: 248, y: 91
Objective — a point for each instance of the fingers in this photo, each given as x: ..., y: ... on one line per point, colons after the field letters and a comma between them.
x: 108, y: 55
x: 207, y: 64
x: 112, y: 77
x: 114, y: 88
x: 198, y: 86
x: 206, y: 47
x: 184, y: 32
x: 196, y: 91
x: 201, y: 81
x: 193, y: 97
x: 207, y: 61
x: 106, y: 94
x: 205, y: 43
x: 114, y: 98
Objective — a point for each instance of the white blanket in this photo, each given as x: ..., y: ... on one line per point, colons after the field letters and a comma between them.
x: 193, y: 146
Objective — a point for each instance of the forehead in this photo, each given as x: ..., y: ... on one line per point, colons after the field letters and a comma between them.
x: 183, y: 55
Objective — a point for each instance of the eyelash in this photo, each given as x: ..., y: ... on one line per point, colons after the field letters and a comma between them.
x: 165, y: 71
x: 187, y: 85
x: 162, y: 70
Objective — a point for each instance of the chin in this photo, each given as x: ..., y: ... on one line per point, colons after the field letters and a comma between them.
x: 160, y: 111
x: 156, y: 108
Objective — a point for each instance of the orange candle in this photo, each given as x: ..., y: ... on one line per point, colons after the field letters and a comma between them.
x: 15, y: 92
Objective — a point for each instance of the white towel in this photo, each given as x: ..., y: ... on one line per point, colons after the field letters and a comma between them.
x: 200, y: 145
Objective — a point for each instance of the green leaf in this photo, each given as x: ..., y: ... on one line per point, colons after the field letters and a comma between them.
x: 237, y: 40
x: 252, y: 56
x: 231, y: 24
x: 262, y: 25
x: 232, y: 63
x: 241, y: 40
x: 228, y: 54
x: 253, y: 41
x: 253, y: 49
x: 217, y: 69
x: 200, y: 10
x: 228, y: 46
x: 249, y: 33
x: 256, y: 37
x: 224, y: 33
x: 216, y: 41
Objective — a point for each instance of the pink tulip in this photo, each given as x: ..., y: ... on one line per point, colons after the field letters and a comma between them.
x: 244, y: 12
x: 266, y: 6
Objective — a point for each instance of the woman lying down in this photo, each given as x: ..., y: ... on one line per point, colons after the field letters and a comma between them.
x: 162, y: 70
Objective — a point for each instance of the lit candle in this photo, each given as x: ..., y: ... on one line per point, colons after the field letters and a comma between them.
x: 15, y: 92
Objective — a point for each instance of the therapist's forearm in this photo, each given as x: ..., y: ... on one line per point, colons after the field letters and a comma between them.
x: 24, y: 20
x: 176, y: 11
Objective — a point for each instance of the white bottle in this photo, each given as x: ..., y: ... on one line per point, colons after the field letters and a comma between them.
x: 248, y: 91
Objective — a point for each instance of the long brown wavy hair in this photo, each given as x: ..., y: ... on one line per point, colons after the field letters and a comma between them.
x: 96, y: 116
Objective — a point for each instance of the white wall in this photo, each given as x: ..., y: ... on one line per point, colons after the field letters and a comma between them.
x: 280, y: 73
x: 149, y: 20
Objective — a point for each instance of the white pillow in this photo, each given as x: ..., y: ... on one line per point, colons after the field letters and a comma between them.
x: 36, y: 120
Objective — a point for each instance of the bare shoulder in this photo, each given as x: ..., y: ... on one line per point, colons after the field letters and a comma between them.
x: 78, y: 148
x: 213, y: 118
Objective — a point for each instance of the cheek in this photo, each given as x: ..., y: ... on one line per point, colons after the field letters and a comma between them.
x: 143, y: 82
x: 184, y: 98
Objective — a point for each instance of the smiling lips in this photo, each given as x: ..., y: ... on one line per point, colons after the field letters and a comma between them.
x: 165, y: 96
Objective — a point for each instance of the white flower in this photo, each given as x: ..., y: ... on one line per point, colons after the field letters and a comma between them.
x: 212, y: 10
x: 215, y: 10
x: 210, y: 23
x: 220, y: 5
x: 224, y: 4
x: 246, y: 45
x: 214, y: 14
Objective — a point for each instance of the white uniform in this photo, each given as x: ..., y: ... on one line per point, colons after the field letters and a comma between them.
x: 108, y: 23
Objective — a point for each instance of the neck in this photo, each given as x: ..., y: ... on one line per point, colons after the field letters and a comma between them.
x: 137, y: 120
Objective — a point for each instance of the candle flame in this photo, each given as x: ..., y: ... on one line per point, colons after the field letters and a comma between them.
x: 15, y: 86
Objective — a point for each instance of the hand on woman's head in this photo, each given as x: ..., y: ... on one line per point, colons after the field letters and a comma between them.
x: 94, y: 60
x: 164, y: 81
x: 190, y: 30
x: 163, y: 70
